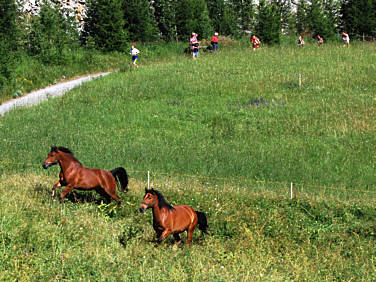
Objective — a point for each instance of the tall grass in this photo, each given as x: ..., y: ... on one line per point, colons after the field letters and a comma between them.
x: 237, y: 114
x: 225, y: 134
x: 30, y: 73
x: 252, y: 236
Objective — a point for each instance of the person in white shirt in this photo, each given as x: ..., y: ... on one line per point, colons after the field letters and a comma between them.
x: 134, y: 52
x: 346, y: 39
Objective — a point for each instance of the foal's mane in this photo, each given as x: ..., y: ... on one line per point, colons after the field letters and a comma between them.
x: 161, y: 200
x: 61, y: 148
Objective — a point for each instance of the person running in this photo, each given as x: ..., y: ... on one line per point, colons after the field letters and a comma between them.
x: 346, y: 39
x: 320, y: 40
x: 194, y: 45
x: 214, y: 42
x: 134, y: 53
x: 300, y: 41
x: 255, y: 42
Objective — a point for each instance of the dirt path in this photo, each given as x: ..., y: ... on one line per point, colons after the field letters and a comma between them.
x: 37, y: 96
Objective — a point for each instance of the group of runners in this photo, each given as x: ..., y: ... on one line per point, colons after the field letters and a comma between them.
x: 320, y: 40
x: 194, y: 44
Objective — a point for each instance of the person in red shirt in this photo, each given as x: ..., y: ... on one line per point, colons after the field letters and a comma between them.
x: 255, y: 42
x: 214, y: 42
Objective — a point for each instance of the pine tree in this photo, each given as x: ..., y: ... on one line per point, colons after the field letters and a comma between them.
x: 8, y: 39
x: 268, y: 27
x: 286, y: 14
x: 51, y: 32
x: 319, y: 20
x: 139, y: 20
x: 8, y: 26
x: 164, y: 13
x: 104, y: 25
x: 223, y: 16
x: 301, y: 16
x: 331, y: 11
x: 358, y: 18
x: 192, y: 16
x: 245, y: 14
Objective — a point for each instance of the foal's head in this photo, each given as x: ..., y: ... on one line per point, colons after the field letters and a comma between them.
x: 53, y: 156
x: 152, y: 198
x: 149, y: 201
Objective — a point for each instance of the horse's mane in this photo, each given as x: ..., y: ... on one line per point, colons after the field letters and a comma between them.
x: 161, y: 200
x: 61, y: 148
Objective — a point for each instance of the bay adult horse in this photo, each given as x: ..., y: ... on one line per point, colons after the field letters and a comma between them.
x: 172, y: 220
x: 74, y: 175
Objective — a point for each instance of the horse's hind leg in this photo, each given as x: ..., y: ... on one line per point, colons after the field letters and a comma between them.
x: 177, y: 238
x: 190, y: 231
x: 113, y: 195
x: 65, y: 192
x: 101, y: 192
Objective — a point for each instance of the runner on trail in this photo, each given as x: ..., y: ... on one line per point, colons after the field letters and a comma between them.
x: 346, y: 39
x: 194, y: 45
x: 255, y: 42
x: 214, y: 42
x: 134, y: 52
x: 320, y: 40
x: 300, y: 41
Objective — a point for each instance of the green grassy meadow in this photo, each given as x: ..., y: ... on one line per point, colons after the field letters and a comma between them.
x: 226, y: 134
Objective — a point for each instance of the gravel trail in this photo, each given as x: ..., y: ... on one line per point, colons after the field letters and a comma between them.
x: 37, y: 96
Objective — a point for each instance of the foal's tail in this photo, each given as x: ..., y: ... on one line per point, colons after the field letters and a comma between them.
x: 120, y: 175
x: 202, y: 222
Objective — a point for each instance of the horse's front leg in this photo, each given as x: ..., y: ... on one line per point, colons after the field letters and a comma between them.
x: 58, y: 184
x: 164, y: 234
x: 65, y: 192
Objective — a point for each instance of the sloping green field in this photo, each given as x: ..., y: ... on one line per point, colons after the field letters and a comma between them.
x: 226, y: 134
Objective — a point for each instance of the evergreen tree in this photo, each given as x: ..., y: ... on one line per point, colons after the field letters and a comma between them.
x: 51, y: 32
x: 139, y: 20
x: 192, y: 16
x: 104, y: 25
x: 245, y: 14
x: 223, y: 16
x: 8, y: 39
x: 286, y: 14
x: 268, y: 27
x: 8, y: 26
x: 301, y: 16
x: 164, y: 13
x: 331, y: 11
x: 358, y: 18
x: 319, y: 21
x: 367, y: 23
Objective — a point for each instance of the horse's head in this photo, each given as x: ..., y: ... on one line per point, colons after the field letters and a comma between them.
x: 149, y: 201
x: 52, y: 158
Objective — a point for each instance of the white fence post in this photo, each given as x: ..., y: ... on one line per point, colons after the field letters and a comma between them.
x: 291, y: 192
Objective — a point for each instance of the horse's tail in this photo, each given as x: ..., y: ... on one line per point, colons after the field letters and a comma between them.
x: 120, y: 175
x: 202, y: 222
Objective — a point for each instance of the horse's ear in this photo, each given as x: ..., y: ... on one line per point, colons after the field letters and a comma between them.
x: 146, y: 190
x: 53, y: 149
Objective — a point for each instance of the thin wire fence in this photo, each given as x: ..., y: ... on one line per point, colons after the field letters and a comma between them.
x: 280, y: 188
